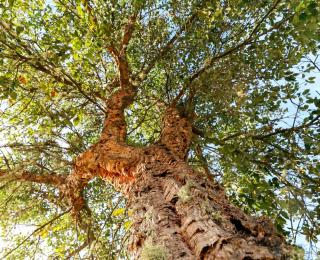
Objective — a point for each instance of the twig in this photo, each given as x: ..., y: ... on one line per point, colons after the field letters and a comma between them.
x: 35, y: 231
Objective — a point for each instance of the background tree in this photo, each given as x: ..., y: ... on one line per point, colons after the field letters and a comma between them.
x: 174, y: 104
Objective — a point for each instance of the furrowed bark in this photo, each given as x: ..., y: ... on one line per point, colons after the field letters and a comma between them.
x: 181, y: 214
x: 177, y: 213
x: 176, y: 133
x: 110, y: 158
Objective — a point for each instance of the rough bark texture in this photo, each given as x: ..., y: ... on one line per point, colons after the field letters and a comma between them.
x: 181, y: 214
x: 177, y: 213
x: 189, y: 217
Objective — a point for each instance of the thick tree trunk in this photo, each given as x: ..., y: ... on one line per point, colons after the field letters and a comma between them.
x: 180, y: 214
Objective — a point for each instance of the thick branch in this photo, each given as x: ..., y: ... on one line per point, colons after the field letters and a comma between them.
x: 109, y: 159
x: 128, y: 31
x: 120, y: 55
x: 51, y: 179
x: 115, y: 124
x: 176, y: 133
x: 123, y: 67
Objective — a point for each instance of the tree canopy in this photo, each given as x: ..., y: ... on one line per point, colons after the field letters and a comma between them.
x: 243, y: 71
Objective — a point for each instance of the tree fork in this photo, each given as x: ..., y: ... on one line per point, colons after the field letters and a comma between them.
x: 181, y: 214
x: 177, y: 212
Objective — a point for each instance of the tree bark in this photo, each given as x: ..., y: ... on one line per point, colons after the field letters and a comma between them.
x: 180, y: 214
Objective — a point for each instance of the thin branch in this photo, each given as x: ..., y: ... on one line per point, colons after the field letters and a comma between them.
x: 204, y: 163
x: 259, y: 137
x: 314, y: 63
x: 209, y: 62
x: 89, y: 10
x: 79, y: 249
x: 286, y: 130
x: 35, y: 231
x: 128, y: 31
x: 52, y: 179
x: 165, y: 49
x: 66, y: 79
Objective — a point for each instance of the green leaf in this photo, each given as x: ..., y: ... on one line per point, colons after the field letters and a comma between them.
x: 19, y: 29
x: 118, y: 212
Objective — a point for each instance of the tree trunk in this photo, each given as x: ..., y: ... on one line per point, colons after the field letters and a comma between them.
x: 181, y: 214
x: 178, y: 213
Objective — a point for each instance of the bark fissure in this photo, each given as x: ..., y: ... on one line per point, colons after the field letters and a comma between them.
x: 208, y: 226
x: 174, y: 207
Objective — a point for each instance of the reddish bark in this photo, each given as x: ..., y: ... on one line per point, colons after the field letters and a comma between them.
x: 181, y: 211
x: 178, y: 211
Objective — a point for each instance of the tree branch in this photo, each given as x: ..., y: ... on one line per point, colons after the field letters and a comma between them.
x: 166, y: 48
x: 120, y: 55
x: 78, y: 250
x: 35, y: 231
x: 287, y: 130
x: 209, y: 62
x: 262, y: 136
x: 128, y: 31
x: 51, y: 179
x: 115, y: 124
x: 38, y: 64
x: 176, y: 133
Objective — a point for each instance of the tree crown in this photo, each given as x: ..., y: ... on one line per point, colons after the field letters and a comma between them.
x: 241, y: 71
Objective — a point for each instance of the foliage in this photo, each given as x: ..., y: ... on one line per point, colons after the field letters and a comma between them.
x: 245, y: 69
